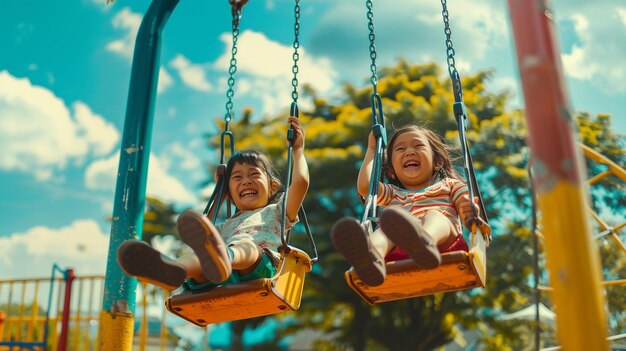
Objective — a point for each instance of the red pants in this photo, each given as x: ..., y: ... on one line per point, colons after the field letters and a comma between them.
x: 398, y: 254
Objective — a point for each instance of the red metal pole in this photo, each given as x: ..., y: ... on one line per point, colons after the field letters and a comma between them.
x: 572, y: 257
x: 65, y: 320
x: 2, y: 318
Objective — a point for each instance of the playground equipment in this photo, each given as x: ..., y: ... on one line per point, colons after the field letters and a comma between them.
x: 572, y: 258
x: 606, y: 230
x: 255, y: 298
x: 18, y: 332
x: 264, y: 296
x: 119, y: 302
x: 25, y: 315
x: 459, y: 270
x: 581, y: 326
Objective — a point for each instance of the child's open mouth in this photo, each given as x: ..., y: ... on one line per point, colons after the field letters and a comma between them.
x: 411, y: 164
x: 247, y: 193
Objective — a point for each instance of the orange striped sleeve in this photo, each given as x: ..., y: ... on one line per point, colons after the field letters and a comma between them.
x: 384, y: 198
x: 457, y: 190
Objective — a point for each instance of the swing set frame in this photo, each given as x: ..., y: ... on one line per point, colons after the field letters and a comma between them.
x: 562, y: 203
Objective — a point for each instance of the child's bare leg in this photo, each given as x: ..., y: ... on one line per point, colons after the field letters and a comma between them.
x: 380, y: 242
x: 438, y: 226
x: 192, y: 267
x: 409, y: 234
x: 245, y: 256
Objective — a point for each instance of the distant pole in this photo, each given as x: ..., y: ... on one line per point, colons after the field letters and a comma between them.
x: 68, y: 277
x: 118, y: 306
x: 572, y: 257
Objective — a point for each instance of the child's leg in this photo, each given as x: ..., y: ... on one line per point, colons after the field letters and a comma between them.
x: 192, y: 267
x: 439, y: 227
x: 251, y: 262
x: 363, y: 251
x: 197, y: 231
x: 446, y: 235
x: 140, y: 260
x: 245, y: 256
x: 419, y: 240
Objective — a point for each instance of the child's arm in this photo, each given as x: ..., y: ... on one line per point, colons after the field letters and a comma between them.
x: 365, y: 173
x: 300, y: 176
x: 464, y: 209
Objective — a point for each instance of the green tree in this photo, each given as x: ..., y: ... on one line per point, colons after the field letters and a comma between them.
x: 159, y: 219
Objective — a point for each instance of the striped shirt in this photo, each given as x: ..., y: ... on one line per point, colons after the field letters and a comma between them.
x: 443, y: 196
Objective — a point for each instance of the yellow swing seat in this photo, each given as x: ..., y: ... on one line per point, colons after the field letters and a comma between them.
x: 459, y: 270
x: 255, y: 298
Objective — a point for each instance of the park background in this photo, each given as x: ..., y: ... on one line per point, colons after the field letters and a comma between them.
x: 64, y: 73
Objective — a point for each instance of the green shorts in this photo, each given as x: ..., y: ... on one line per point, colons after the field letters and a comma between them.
x: 265, y: 269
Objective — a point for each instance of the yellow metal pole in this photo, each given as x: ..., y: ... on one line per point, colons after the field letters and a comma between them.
x: 163, y: 327
x: 613, y: 167
x: 32, y: 325
x: 572, y: 257
x: 116, y: 328
x: 143, y: 332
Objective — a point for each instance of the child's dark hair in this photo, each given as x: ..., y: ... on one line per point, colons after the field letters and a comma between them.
x: 442, y: 155
x: 256, y: 159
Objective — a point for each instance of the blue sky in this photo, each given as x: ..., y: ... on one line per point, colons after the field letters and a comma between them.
x: 65, y: 68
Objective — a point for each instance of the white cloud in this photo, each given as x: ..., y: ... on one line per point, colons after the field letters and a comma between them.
x: 264, y: 69
x: 600, y: 31
x: 165, y: 80
x: 40, y: 134
x: 101, y: 135
x: 130, y: 22
x: 81, y: 245
x: 179, y: 156
x: 102, y: 175
x: 162, y: 185
x: 621, y: 14
x: 192, y: 75
x: 413, y: 30
x: 510, y: 85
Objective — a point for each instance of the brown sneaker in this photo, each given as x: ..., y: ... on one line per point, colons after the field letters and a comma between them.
x: 407, y: 233
x: 199, y: 233
x: 140, y: 260
x: 352, y: 241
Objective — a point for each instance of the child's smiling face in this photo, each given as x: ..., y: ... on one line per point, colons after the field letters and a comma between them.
x: 250, y: 188
x: 412, y: 160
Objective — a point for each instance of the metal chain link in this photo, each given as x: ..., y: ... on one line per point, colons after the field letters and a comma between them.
x: 296, y: 55
x: 372, y: 47
x: 454, y: 74
x: 232, y: 69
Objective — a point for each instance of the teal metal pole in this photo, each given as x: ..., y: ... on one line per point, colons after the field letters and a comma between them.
x: 130, y: 191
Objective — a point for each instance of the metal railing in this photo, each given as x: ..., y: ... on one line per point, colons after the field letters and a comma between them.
x: 28, y: 305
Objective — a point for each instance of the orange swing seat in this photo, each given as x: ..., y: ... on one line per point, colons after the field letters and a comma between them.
x: 255, y: 298
x: 459, y: 270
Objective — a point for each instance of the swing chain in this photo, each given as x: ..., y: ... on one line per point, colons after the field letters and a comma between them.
x: 375, y: 99
x: 378, y: 122
x: 454, y: 74
x: 372, y: 47
x: 296, y: 55
x: 233, y: 68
